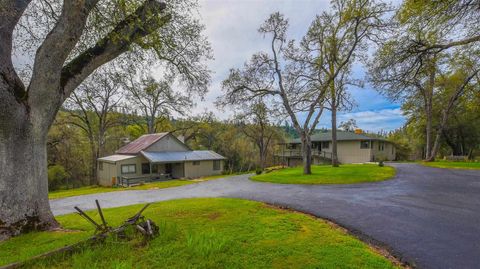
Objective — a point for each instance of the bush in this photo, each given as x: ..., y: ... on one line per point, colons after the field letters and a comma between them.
x: 380, y: 163
x: 57, y: 176
x: 258, y: 171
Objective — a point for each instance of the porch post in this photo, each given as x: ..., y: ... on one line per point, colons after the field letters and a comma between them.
x: 151, y: 177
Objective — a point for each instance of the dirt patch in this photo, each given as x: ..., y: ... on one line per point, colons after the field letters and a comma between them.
x: 214, y: 215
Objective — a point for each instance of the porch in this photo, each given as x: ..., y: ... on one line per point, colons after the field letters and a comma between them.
x: 153, y: 172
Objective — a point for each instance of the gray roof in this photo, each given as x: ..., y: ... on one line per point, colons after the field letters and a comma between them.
x: 181, y: 156
x: 116, y: 158
x: 341, y: 136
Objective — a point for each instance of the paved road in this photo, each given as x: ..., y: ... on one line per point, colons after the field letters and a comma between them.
x: 429, y: 217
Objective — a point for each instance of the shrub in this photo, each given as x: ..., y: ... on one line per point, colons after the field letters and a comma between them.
x: 380, y: 163
x: 258, y: 171
x: 56, y: 176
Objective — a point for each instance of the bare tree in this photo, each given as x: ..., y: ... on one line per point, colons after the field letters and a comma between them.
x: 334, y: 41
x: 92, y: 108
x: 254, y: 122
x: 79, y: 39
x: 157, y: 100
x: 281, y: 83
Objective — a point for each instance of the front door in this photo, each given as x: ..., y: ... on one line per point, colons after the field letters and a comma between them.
x: 168, y: 168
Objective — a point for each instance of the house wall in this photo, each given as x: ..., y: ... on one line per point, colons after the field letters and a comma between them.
x: 388, y: 154
x: 105, y: 175
x: 178, y: 170
x: 111, y: 171
x: 168, y: 143
x: 350, y: 152
x: 205, y: 168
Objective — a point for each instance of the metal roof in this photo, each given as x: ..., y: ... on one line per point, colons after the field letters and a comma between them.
x: 181, y: 156
x: 116, y: 158
x: 140, y: 143
x: 341, y: 136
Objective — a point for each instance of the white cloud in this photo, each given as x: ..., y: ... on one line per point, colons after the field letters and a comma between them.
x: 376, y: 120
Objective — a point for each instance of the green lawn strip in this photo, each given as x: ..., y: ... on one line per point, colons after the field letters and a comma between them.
x: 205, y: 233
x: 326, y: 174
x: 146, y: 186
x: 453, y: 165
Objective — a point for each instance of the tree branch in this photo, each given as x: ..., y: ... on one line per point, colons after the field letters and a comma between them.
x: 136, y: 26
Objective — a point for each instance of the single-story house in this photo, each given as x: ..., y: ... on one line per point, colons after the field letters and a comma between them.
x: 352, y: 147
x: 157, y: 157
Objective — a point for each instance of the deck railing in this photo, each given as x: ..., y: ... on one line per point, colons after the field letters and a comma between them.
x: 298, y: 153
x: 127, y: 181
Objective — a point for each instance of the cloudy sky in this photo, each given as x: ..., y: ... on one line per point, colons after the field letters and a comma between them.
x: 231, y: 27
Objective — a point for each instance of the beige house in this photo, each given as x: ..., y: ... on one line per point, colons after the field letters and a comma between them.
x: 153, y: 157
x: 351, y: 148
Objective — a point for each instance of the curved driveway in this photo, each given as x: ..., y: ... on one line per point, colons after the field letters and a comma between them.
x: 428, y: 217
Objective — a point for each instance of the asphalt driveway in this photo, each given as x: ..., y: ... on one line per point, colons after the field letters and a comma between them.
x: 429, y: 217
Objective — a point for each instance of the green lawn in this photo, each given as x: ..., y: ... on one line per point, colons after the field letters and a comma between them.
x: 147, y: 186
x: 205, y: 233
x: 326, y: 174
x: 454, y: 165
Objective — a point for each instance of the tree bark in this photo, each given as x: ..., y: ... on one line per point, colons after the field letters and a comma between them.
x: 23, y: 170
x: 93, y: 154
x: 306, y: 154
x: 428, y: 130
x: 334, y: 137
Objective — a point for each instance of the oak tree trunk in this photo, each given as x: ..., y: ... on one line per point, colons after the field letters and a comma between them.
x: 306, y: 154
x: 334, y: 137
x: 23, y: 170
x: 428, y: 132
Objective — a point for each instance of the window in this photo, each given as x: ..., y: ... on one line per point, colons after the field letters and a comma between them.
x: 145, y: 168
x: 325, y: 145
x: 100, y: 166
x: 196, y: 163
x: 365, y: 144
x: 381, y: 146
x: 216, y: 165
x: 129, y: 169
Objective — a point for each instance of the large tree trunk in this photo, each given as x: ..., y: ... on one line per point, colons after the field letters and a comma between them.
x: 428, y: 132
x: 438, y: 136
x: 263, y: 157
x: 334, y: 137
x: 94, y: 156
x: 23, y: 172
x: 306, y: 154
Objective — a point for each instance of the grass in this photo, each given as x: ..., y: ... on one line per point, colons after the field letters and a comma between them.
x: 325, y: 174
x: 453, y: 165
x: 148, y: 186
x: 204, y: 233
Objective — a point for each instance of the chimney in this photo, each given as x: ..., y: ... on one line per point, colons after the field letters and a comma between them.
x: 358, y: 131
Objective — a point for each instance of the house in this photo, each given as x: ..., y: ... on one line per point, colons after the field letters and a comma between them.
x: 157, y: 157
x: 352, y: 147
